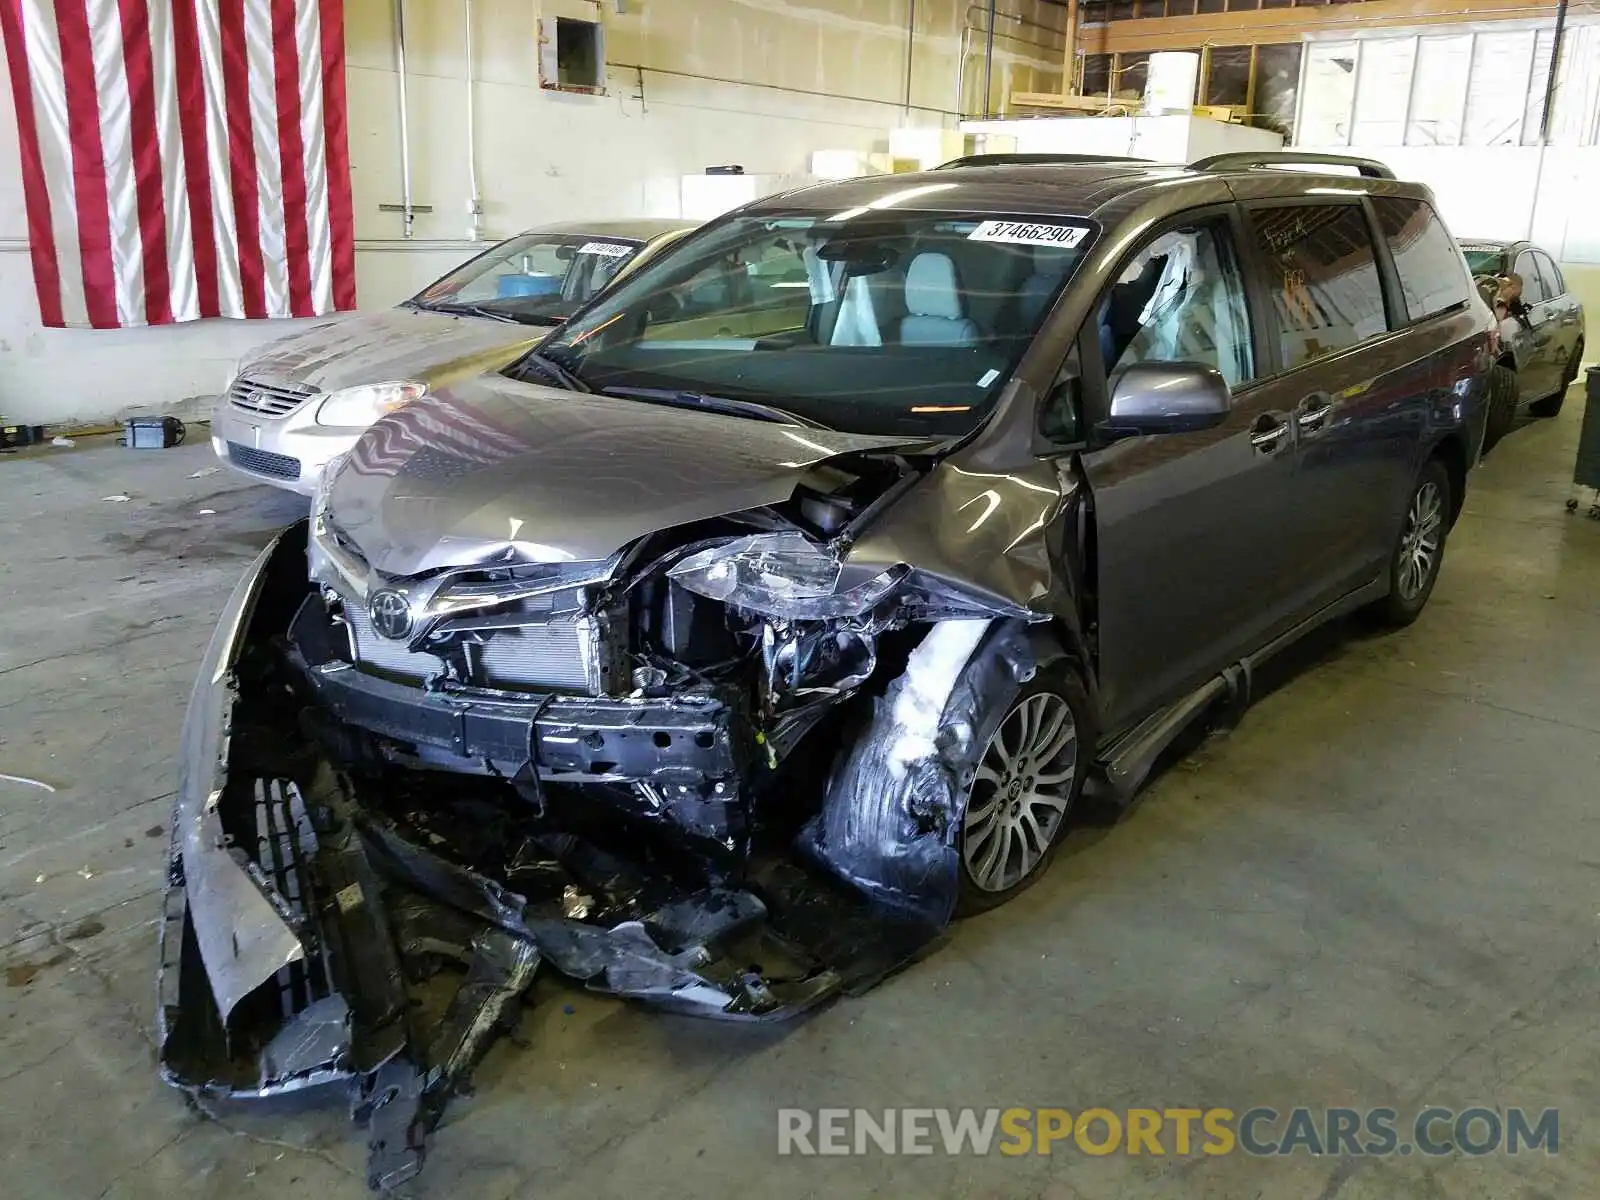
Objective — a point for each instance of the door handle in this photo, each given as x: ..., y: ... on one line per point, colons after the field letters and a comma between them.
x: 1268, y: 433
x: 1313, y: 412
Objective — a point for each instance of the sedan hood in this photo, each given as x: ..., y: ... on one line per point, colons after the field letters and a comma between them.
x: 501, y: 471
x: 397, y: 343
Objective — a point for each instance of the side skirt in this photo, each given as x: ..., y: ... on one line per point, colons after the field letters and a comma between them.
x: 1125, y: 764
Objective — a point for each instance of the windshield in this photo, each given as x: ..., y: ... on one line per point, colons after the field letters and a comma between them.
x: 867, y: 321
x: 537, y: 278
x: 1485, y: 260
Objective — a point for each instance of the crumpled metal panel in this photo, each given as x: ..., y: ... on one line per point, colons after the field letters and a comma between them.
x: 497, y: 471
x: 243, y: 937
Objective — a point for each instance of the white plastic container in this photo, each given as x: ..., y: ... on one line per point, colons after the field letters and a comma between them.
x: 1170, y: 81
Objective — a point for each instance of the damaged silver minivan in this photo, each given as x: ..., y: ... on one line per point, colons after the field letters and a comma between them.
x: 780, y: 606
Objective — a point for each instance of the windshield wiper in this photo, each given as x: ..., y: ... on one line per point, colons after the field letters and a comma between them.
x: 709, y: 403
x: 551, y: 369
x: 494, y: 314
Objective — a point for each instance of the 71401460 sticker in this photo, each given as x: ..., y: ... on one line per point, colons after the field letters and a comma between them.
x: 609, y: 249
x: 1022, y: 233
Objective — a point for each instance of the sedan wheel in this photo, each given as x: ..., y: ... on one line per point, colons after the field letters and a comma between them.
x: 1021, y: 791
x: 1421, y: 542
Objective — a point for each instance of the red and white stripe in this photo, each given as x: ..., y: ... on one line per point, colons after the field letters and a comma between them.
x: 183, y: 158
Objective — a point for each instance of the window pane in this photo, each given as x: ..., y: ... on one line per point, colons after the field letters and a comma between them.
x: 1134, y: 69
x: 1554, y: 283
x: 1385, y: 87
x: 1432, y: 278
x: 1277, y: 86
x: 1527, y: 270
x: 1329, y: 93
x: 1323, y: 278
x: 1539, y: 80
x: 1439, y: 92
x: 1229, y: 81
x: 1180, y: 299
x: 1500, y: 69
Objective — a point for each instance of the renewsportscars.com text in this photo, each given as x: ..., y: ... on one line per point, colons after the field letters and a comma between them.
x: 1261, y: 1131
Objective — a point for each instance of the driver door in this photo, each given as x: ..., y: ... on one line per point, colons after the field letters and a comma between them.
x: 1191, y: 528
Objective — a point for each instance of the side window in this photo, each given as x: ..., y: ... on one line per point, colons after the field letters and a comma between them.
x: 1432, y: 278
x: 1060, y: 415
x: 1554, y: 284
x: 1527, y: 270
x: 1323, y: 278
x: 1181, y: 298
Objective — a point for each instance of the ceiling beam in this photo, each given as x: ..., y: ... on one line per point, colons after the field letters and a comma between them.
x: 1268, y: 26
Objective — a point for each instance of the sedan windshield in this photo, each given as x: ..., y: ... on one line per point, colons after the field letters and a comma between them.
x: 537, y: 278
x: 867, y: 321
x: 1485, y: 260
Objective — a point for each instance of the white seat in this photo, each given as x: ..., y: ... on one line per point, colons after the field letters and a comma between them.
x: 934, y: 316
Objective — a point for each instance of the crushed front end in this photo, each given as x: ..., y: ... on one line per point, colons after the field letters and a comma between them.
x: 468, y: 775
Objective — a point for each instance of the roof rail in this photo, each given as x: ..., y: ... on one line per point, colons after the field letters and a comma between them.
x: 1023, y: 160
x: 1369, y: 168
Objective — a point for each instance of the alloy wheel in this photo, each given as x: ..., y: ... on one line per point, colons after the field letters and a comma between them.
x: 1020, y: 792
x: 1419, y: 544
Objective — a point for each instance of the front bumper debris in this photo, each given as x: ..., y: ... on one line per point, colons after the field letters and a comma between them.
x: 314, y: 915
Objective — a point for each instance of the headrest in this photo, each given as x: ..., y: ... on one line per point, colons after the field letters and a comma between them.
x: 931, y: 289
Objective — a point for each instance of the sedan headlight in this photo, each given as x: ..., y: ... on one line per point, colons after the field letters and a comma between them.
x: 358, y: 407
x: 782, y: 575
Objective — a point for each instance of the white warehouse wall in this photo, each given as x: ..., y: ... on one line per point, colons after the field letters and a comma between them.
x: 1384, y: 94
x: 835, y: 76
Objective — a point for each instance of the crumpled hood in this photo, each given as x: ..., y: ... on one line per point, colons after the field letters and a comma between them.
x: 397, y: 343
x: 497, y: 470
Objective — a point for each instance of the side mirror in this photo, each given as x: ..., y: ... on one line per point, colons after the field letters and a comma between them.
x: 1167, y: 397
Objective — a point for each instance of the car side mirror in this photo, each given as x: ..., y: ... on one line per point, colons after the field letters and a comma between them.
x: 1167, y: 397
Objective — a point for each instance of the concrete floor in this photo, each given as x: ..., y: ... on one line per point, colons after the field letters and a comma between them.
x: 1382, y: 889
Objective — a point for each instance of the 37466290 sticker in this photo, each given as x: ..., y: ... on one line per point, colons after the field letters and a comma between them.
x: 1023, y: 233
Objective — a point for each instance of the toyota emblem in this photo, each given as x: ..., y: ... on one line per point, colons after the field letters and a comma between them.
x: 391, y: 615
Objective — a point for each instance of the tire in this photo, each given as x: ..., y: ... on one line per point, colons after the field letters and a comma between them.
x: 1550, y: 406
x: 1413, y: 568
x: 1504, y: 393
x: 1016, y: 807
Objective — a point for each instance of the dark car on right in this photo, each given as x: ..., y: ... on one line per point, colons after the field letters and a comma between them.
x: 1541, y: 330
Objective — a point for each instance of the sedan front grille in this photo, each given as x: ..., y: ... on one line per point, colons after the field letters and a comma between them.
x: 263, y: 462
x: 261, y: 399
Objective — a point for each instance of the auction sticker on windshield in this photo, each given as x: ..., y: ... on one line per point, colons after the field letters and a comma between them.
x: 609, y: 249
x: 1023, y: 234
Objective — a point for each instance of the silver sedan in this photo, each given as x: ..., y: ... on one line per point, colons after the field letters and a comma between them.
x: 296, y: 403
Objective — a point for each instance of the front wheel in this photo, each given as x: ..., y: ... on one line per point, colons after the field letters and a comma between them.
x: 1025, y: 780
x: 1419, y: 550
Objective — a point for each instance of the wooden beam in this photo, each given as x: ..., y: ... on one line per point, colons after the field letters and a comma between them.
x: 1272, y: 26
x: 1069, y: 53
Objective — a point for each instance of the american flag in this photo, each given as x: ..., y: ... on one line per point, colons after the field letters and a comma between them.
x: 183, y: 158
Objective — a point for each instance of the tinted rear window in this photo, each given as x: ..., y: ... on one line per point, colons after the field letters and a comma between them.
x: 1323, y: 277
x: 1432, y: 278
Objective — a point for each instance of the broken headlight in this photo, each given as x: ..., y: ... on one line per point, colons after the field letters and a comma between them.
x: 358, y: 407
x: 782, y: 575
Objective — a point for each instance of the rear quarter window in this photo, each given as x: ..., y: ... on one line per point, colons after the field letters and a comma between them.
x: 1432, y: 276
